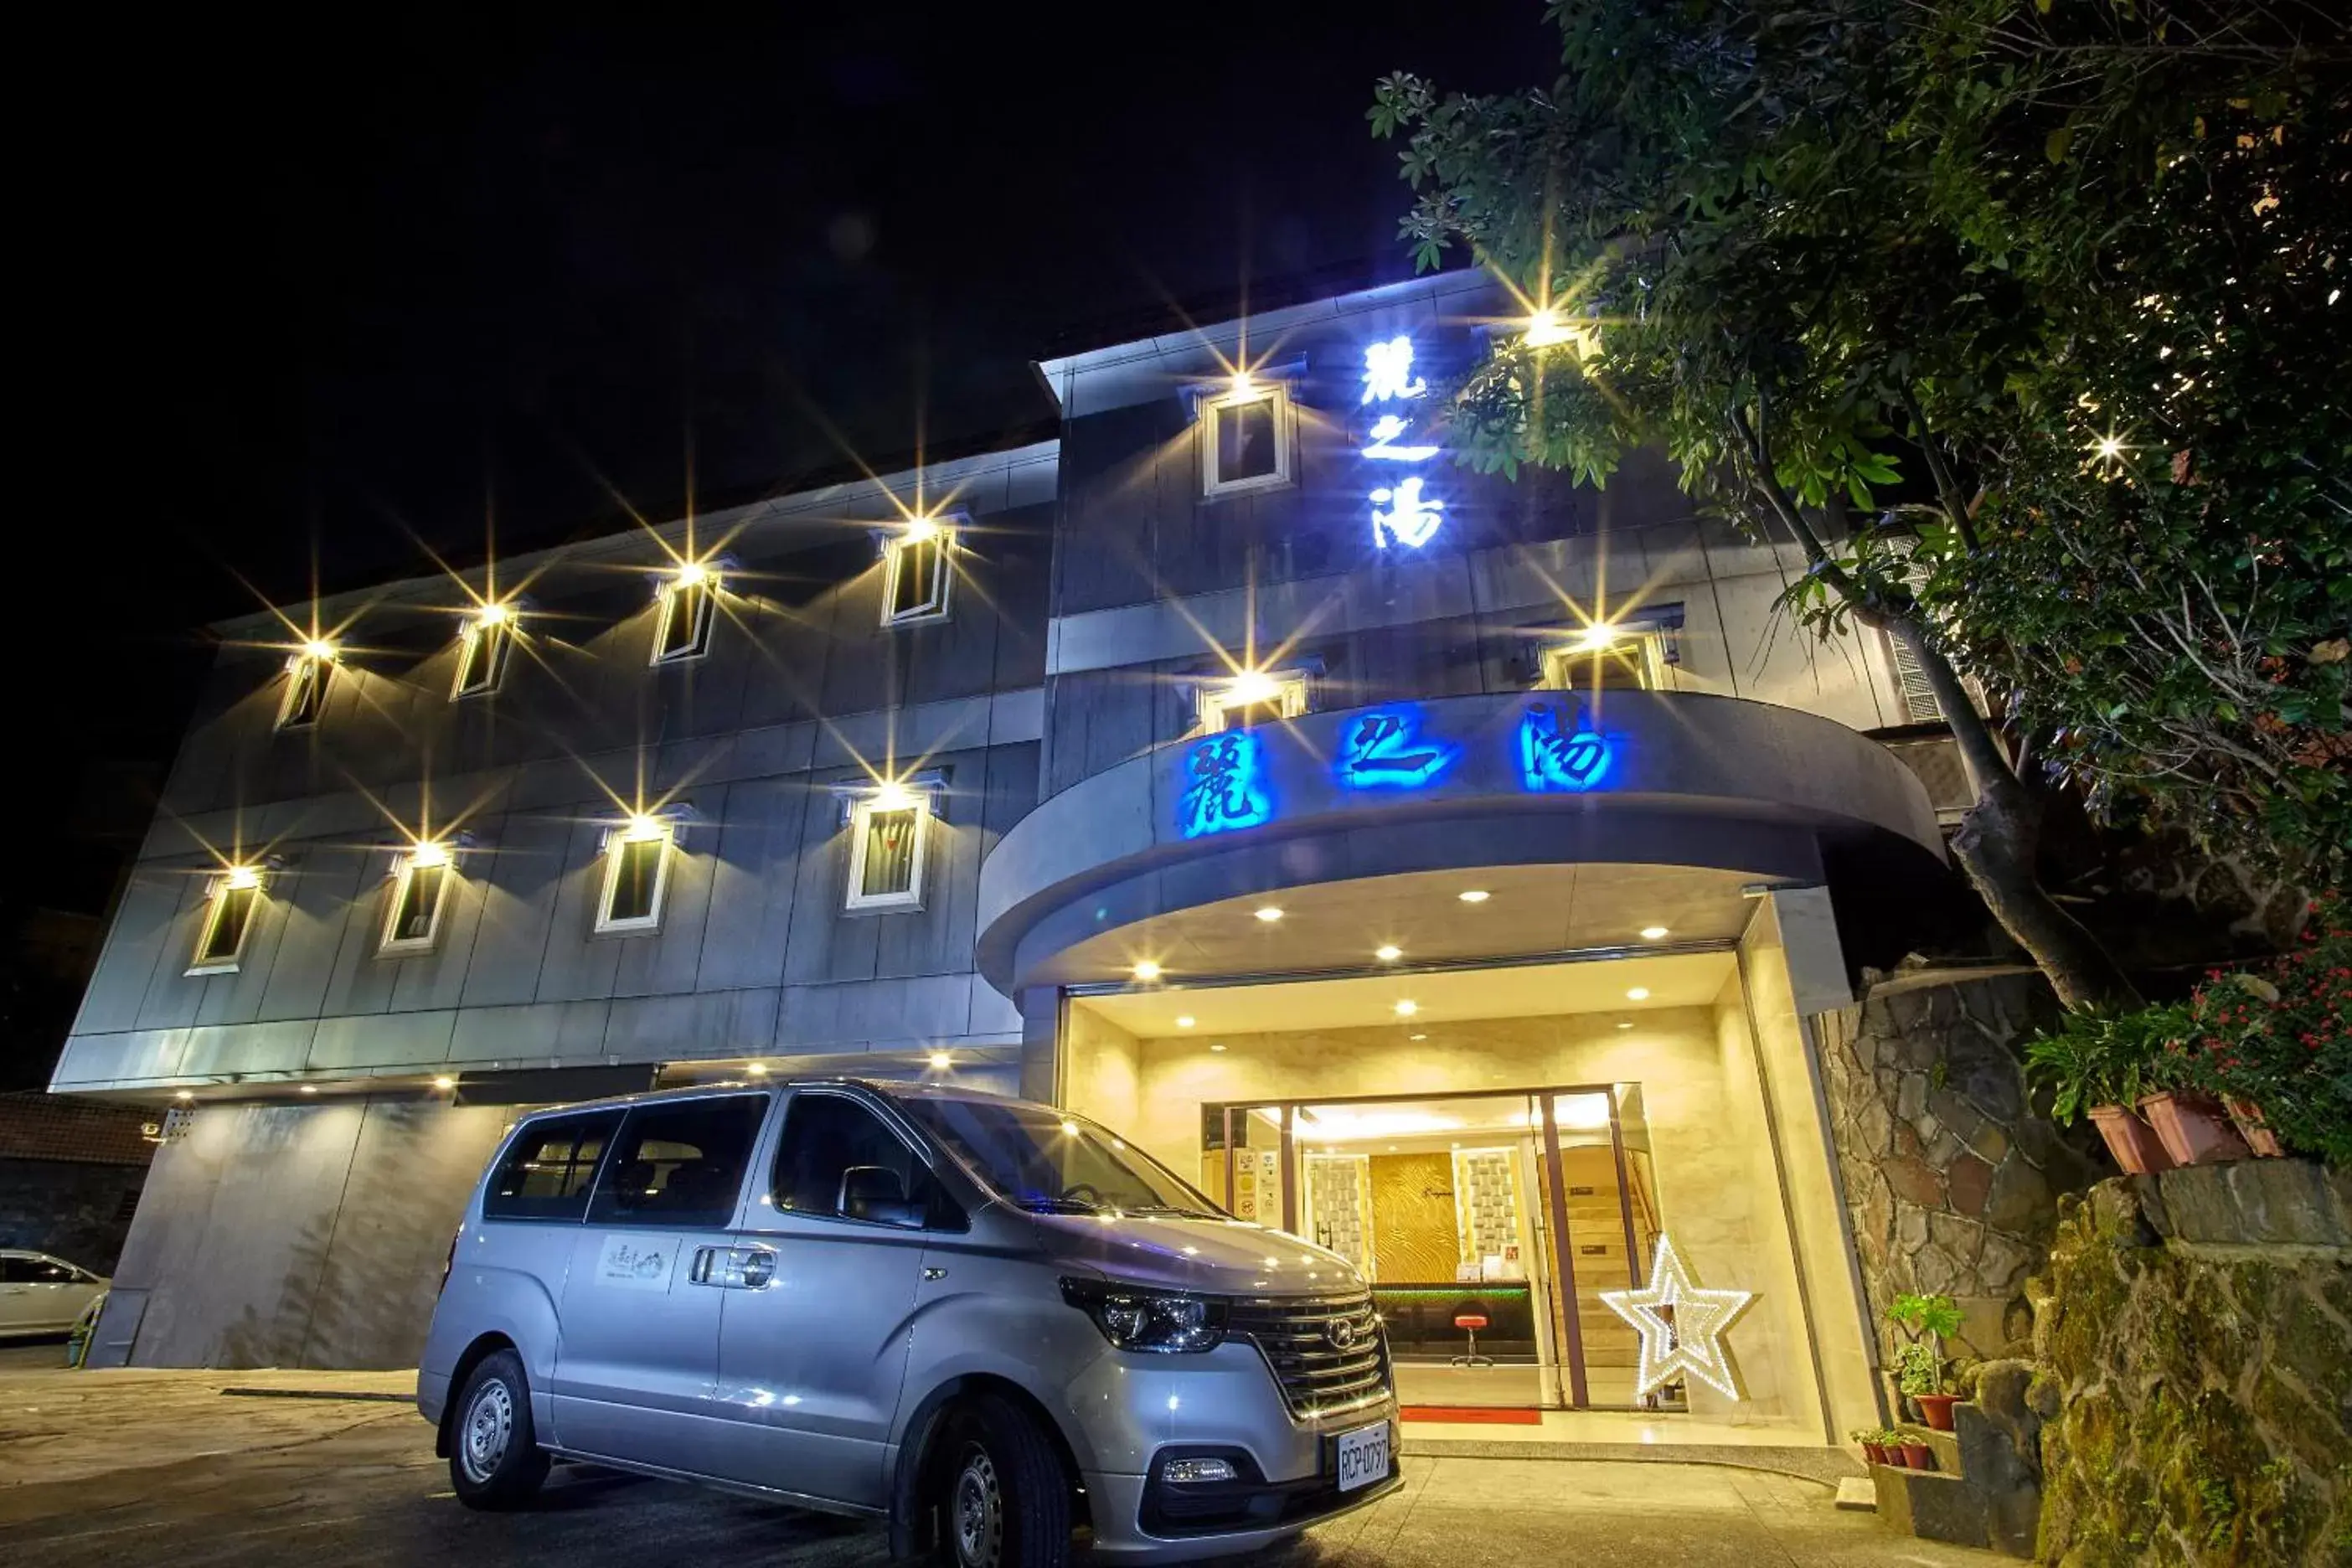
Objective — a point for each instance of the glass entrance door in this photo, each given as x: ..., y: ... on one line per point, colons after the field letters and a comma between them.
x: 1488, y: 1225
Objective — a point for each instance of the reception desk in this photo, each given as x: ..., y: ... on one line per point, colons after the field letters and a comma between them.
x: 1420, y: 1319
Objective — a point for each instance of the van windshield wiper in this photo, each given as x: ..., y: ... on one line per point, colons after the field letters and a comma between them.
x: 1046, y: 1202
x: 1173, y: 1210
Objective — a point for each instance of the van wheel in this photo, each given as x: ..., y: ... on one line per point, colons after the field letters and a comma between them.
x: 495, y: 1460
x: 1004, y: 1501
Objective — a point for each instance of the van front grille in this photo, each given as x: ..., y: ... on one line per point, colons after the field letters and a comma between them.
x: 1327, y: 1351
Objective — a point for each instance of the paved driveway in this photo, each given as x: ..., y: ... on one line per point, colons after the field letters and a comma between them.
x: 141, y: 1468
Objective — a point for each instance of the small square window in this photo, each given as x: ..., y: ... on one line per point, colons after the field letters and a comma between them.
x: 636, y: 874
x: 1253, y: 699
x: 306, y: 674
x: 1246, y: 441
x: 1612, y: 659
x: 229, y: 908
x: 890, y: 839
x: 412, y: 923
x: 685, y: 604
x: 482, y: 649
x: 917, y: 570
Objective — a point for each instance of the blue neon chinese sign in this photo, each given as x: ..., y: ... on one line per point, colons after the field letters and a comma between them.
x: 1561, y: 752
x: 1222, y: 786
x: 1385, y: 749
x: 1401, y: 512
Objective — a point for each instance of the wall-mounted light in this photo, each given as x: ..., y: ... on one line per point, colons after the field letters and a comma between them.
x: 1600, y: 634
x: 319, y: 648
x: 445, y: 1083
x: 919, y: 530
x: 429, y: 853
x: 1147, y: 970
x: 690, y: 574
x: 642, y: 827
x: 493, y: 615
x: 239, y: 878
x: 942, y: 1061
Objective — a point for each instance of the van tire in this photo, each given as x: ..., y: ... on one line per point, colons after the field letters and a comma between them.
x: 1002, y: 1496
x: 495, y: 1459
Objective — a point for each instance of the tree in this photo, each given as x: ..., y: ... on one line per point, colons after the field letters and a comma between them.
x: 1906, y: 281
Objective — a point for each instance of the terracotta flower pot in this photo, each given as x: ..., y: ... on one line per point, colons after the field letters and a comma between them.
x: 1937, y: 1409
x: 1874, y: 1452
x: 1919, y: 1455
x: 2193, y: 1128
x: 2255, y: 1129
x: 2132, y: 1143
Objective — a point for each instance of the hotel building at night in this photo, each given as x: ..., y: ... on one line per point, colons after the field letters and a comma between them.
x: 1446, y: 870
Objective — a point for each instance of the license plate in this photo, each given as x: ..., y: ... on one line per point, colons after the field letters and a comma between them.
x: 1363, y: 1456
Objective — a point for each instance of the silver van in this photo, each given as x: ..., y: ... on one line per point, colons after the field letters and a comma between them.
x: 990, y: 1322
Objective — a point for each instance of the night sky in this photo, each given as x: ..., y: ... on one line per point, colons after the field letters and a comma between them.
x: 320, y: 296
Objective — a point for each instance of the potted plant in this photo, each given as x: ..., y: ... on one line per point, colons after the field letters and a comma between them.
x: 2097, y: 1062
x: 1927, y: 1320
x: 1871, y: 1441
x: 1916, y: 1455
x: 2276, y: 1047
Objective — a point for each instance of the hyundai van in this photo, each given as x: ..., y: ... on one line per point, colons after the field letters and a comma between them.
x: 992, y: 1323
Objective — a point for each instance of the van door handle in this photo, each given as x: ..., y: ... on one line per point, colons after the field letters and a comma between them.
x: 733, y: 1268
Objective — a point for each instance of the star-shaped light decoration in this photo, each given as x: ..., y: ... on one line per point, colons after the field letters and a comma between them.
x: 1681, y: 1325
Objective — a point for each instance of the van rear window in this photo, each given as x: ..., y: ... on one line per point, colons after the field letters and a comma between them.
x: 550, y: 1167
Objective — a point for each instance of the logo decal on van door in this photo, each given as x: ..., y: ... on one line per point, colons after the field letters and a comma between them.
x: 638, y: 1262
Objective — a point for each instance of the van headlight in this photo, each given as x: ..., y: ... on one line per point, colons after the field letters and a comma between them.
x: 1165, y: 1322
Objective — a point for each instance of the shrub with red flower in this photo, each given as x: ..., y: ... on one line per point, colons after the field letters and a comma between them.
x: 2281, y: 1036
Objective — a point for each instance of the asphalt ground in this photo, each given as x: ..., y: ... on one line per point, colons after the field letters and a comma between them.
x: 122, y: 1468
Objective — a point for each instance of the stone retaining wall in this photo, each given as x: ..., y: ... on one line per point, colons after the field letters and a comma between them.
x: 2193, y: 1343
x: 1951, y: 1180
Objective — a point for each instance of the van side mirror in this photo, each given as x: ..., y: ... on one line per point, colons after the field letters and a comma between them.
x: 875, y: 1193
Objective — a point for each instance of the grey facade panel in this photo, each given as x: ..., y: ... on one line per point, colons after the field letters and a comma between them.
x: 525, y: 868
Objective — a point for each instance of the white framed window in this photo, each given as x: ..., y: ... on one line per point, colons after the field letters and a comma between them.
x: 636, y: 877
x: 419, y: 892
x: 482, y: 648
x: 1252, y: 698
x: 230, y: 905
x: 1247, y: 438
x: 307, y: 674
x: 685, y: 605
x: 1625, y: 656
x: 889, y: 842
x: 918, y: 571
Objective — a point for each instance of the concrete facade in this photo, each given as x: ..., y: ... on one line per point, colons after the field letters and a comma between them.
x: 1051, y: 714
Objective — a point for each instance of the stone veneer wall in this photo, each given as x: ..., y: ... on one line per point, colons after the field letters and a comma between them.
x: 1951, y: 1180
x: 2193, y: 1343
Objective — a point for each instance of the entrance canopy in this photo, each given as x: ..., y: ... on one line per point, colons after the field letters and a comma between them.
x: 1579, y: 815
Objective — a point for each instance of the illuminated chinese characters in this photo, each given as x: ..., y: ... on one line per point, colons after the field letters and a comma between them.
x: 1386, y: 748
x: 1561, y: 752
x: 1221, y: 788
x: 1401, y: 514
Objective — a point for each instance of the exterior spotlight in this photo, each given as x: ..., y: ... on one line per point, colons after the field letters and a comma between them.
x: 310, y: 1089
x: 1474, y: 895
x: 1624, y: 1023
x: 1638, y: 994
x: 1252, y: 687
x: 1596, y: 636
x: 243, y: 877
x: 1185, y: 1021
x: 492, y: 615
x: 1652, y: 933
x: 1544, y: 329
x: 318, y: 648
x: 1388, y: 952
x: 757, y: 1070
x: 1218, y: 1047
x: 1269, y: 914
x: 641, y: 827
x: 919, y: 530
x: 942, y: 1060
x: 1244, y: 386
x: 1407, y: 1008
x: 690, y: 574
x: 1070, y: 1127
x: 429, y: 852
x: 892, y: 796
x: 185, y: 1094
x: 1146, y: 970
x: 444, y: 1082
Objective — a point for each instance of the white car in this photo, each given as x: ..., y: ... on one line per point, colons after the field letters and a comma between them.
x: 43, y: 1295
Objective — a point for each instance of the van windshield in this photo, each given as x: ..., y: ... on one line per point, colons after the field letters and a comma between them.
x: 1047, y: 1163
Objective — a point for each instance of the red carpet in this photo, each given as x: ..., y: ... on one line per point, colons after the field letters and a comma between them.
x: 1474, y: 1415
